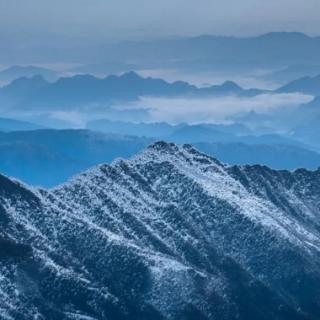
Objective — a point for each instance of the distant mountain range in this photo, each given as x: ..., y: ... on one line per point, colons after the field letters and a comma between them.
x: 86, y: 90
x: 15, y: 72
x: 293, y: 72
x: 306, y: 85
x: 276, y: 48
x: 308, y: 128
x: 158, y: 129
x: 300, y: 123
x: 276, y: 156
x: 186, y: 133
x: 50, y: 157
x: 170, y: 234
x: 7, y: 125
x: 284, y: 56
x: 203, y: 53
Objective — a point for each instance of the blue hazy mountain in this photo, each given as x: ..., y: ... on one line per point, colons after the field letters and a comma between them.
x: 299, y: 123
x: 199, y: 133
x: 83, y: 90
x: 22, y: 88
x: 185, y: 133
x: 307, y: 85
x: 152, y: 130
x: 276, y: 156
x: 50, y: 157
x: 104, y: 68
x: 38, y: 165
x: 308, y: 128
x: 272, y: 50
x: 15, y: 72
x: 293, y: 72
x: 224, y: 133
x: 158, y: 130
x: 276, y: 50
x: 7, y: 125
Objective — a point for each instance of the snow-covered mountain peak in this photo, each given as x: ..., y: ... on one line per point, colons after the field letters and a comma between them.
x: 169, y: 234
x: 165, y: 152
x: 161, y: 169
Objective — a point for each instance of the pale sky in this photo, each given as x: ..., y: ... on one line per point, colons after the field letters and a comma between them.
x: 41, y: 20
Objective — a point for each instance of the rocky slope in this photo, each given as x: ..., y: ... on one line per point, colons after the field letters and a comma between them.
x: 170, y: 234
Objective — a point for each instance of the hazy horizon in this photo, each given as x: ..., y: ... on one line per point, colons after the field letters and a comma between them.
x: 141, y: 18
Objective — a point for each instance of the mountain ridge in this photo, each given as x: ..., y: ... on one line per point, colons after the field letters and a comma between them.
x: 83, y: 90
x: 307, y: 85
x: 16, y: 71
x: 170, y: 234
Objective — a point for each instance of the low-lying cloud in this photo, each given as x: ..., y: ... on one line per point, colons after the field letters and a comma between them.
x: 216, y: 109
x: 171, y: 110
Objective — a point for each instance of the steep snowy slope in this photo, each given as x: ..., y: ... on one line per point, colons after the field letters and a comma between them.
x: 169, y: 234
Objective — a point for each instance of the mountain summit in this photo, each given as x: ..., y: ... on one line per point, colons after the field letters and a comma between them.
x: 170, y: 234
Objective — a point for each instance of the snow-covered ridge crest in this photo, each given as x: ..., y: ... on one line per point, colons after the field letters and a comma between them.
x: 164, y: 235
x: 211, y: 175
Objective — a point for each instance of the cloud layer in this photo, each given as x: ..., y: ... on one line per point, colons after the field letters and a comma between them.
x: 171, y: 110
x: 216, y: 109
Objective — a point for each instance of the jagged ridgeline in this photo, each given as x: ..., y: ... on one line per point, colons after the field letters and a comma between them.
x: 170, y: 234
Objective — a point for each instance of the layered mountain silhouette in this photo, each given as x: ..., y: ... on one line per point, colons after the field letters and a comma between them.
x: 277, y: 156
x: 14, y: 72
x: 307, y: 85
x: 293, y: 72
x: 170, y: 234
x: 7, y: 125
x: 206, y: 52
x: 87, y: 90
x: 308, y: 126
x: 159, y: 129
x: 50, y: 157
x: 298, y: 123
x: 275, y: 50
